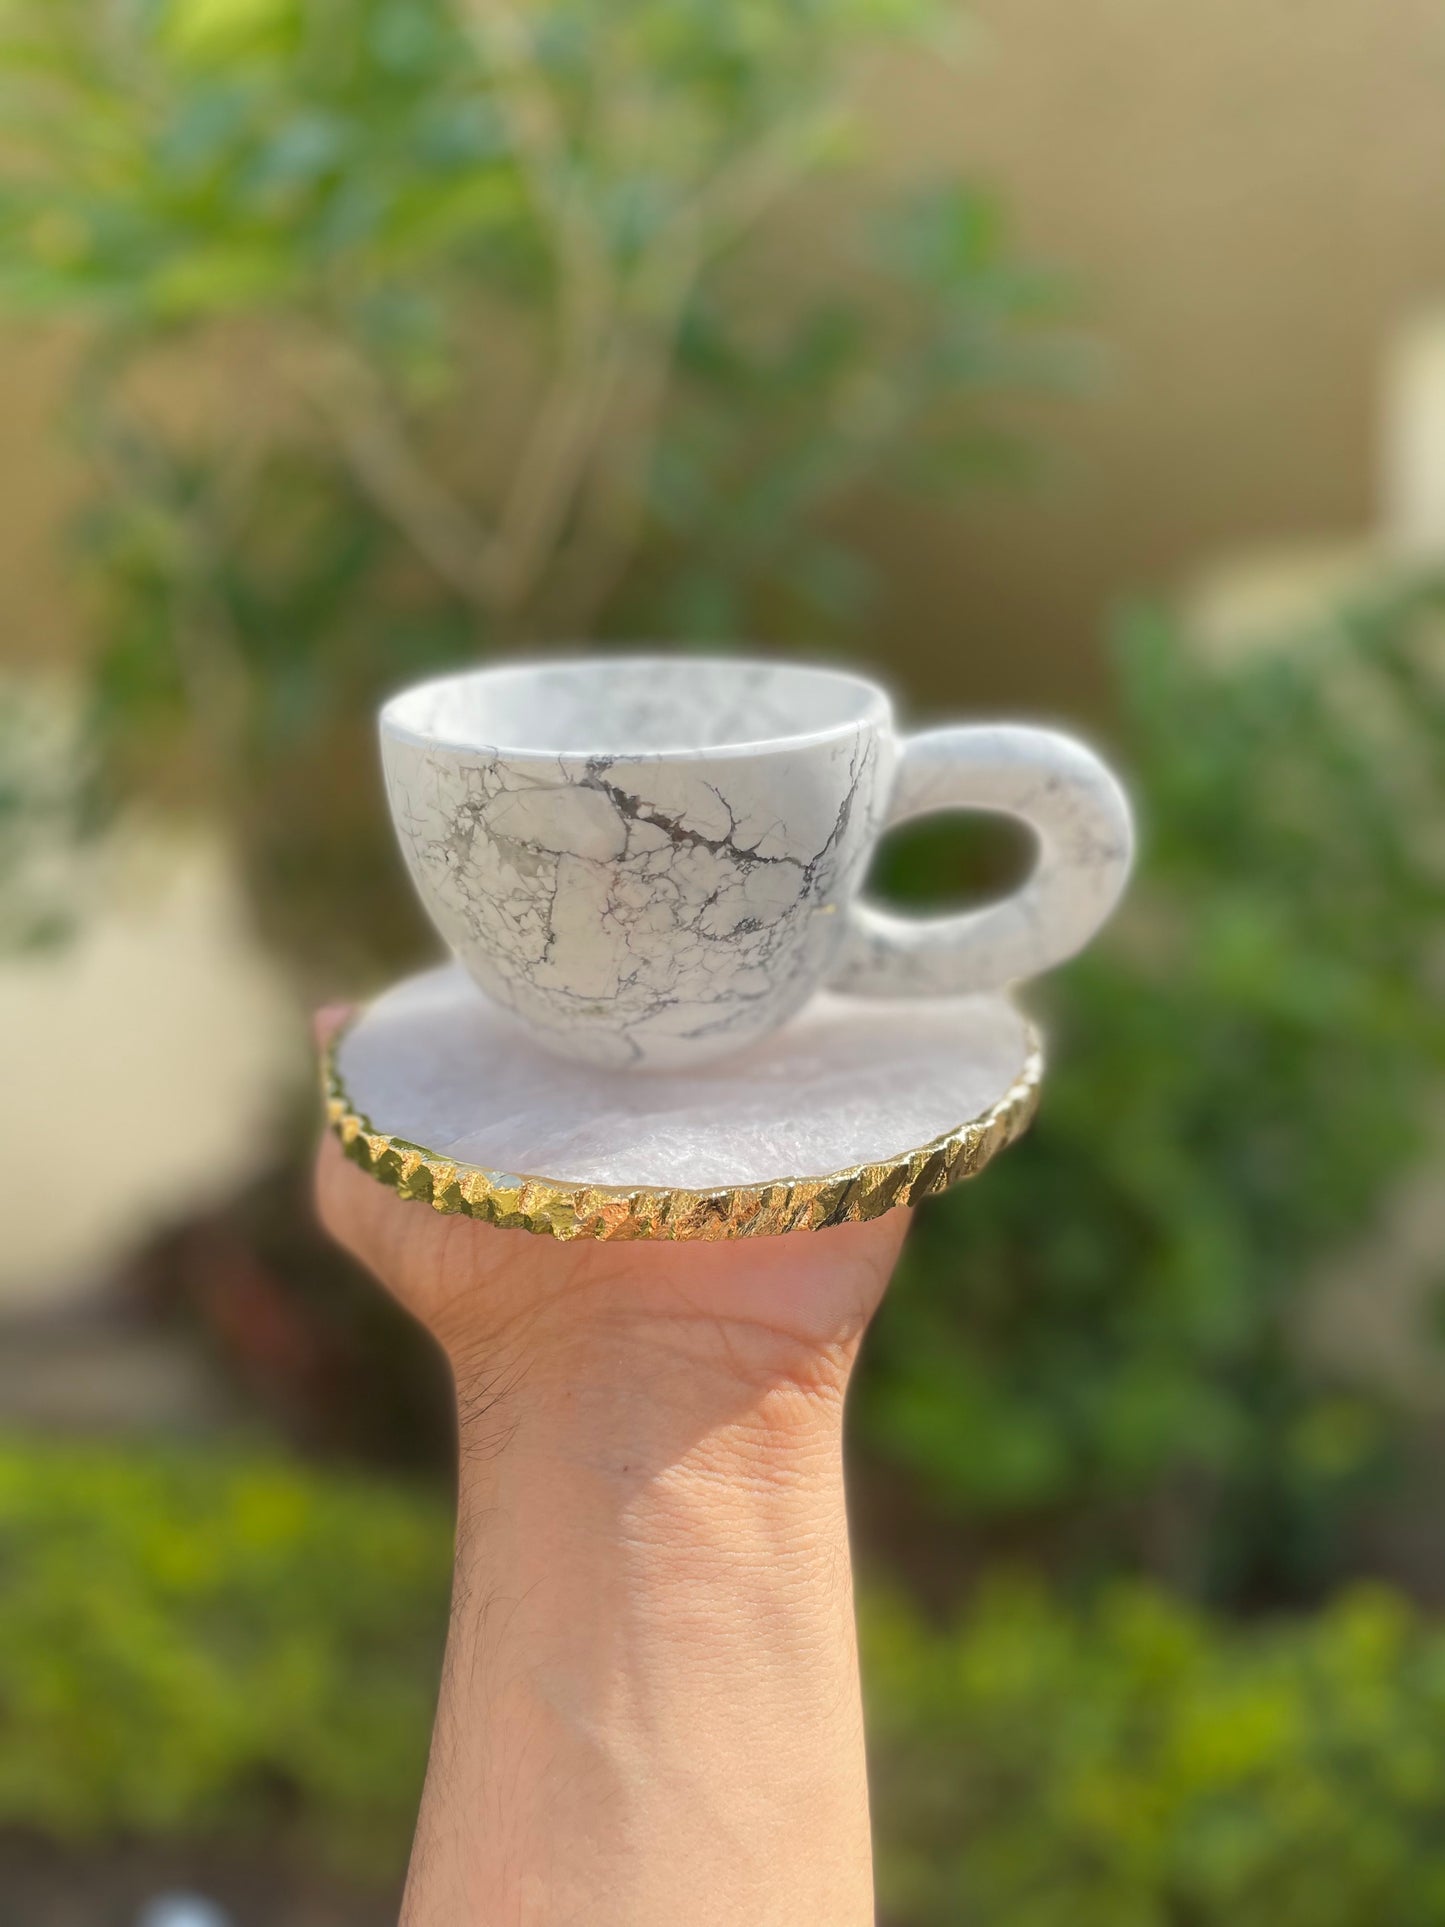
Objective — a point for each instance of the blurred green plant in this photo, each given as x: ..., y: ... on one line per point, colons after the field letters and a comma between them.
x: 1101, y: 1340
x: 1135, y: 1764
x: 414, y: 327
x: 197, y: 1644
x: 207, y: 1645
x: 48, y: 808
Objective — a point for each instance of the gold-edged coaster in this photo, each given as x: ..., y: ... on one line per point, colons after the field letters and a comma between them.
x: 858, y: 1106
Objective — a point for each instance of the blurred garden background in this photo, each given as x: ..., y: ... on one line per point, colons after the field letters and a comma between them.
x: 1084, y: 364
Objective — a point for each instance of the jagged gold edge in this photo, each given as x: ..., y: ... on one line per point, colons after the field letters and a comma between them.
x: 551, y: 1208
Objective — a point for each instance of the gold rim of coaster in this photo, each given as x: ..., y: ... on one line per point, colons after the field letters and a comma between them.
x: 553, y: 1208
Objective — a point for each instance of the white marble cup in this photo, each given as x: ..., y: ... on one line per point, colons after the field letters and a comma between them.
x: 651, y: 861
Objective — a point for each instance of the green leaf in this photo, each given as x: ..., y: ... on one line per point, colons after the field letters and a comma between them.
x: 211, y: 31
x: 218, y: 279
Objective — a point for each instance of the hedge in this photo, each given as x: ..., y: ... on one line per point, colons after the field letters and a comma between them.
x: 209, y: 1645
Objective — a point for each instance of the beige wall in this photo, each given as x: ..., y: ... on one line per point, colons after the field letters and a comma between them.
x: 1249, y: 192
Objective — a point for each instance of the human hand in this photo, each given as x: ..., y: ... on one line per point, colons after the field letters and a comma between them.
x: 781, y: 1314
x: 649, y: 1710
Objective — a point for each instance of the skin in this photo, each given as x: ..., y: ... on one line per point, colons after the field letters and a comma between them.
x: 649, y: 1710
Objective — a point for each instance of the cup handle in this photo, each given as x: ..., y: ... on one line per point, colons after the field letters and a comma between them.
x: 1080, y: 815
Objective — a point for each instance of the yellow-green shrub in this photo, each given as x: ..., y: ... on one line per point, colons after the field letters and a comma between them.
x: 1139, y: 1764
x: 199, y: 1644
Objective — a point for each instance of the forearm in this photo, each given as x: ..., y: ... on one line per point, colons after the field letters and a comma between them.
x: 650, y: 1706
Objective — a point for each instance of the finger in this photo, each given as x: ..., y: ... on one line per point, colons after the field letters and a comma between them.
x: 360, y: 1214
x: 326, y: 1021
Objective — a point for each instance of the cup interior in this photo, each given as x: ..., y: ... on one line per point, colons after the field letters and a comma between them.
x: 635, y: 705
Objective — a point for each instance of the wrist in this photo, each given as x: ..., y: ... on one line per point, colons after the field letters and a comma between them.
x: 653, y: 1611
x: 653, y: 1499
x: 647, y: 1474
x: 779, y: 1314
x: 656, y: 1504
x: 631, y: 1401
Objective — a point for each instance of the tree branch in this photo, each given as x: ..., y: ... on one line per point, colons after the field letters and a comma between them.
x: 614, y: 503
x: 741, y: 192
x: 439, y: 525
x: 539, y: 142
x: 590, y: 441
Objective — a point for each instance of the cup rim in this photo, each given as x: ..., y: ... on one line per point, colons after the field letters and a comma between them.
x: 874, y: 708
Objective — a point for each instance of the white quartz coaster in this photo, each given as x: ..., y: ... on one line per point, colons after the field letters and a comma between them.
x: 851, y: 1082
